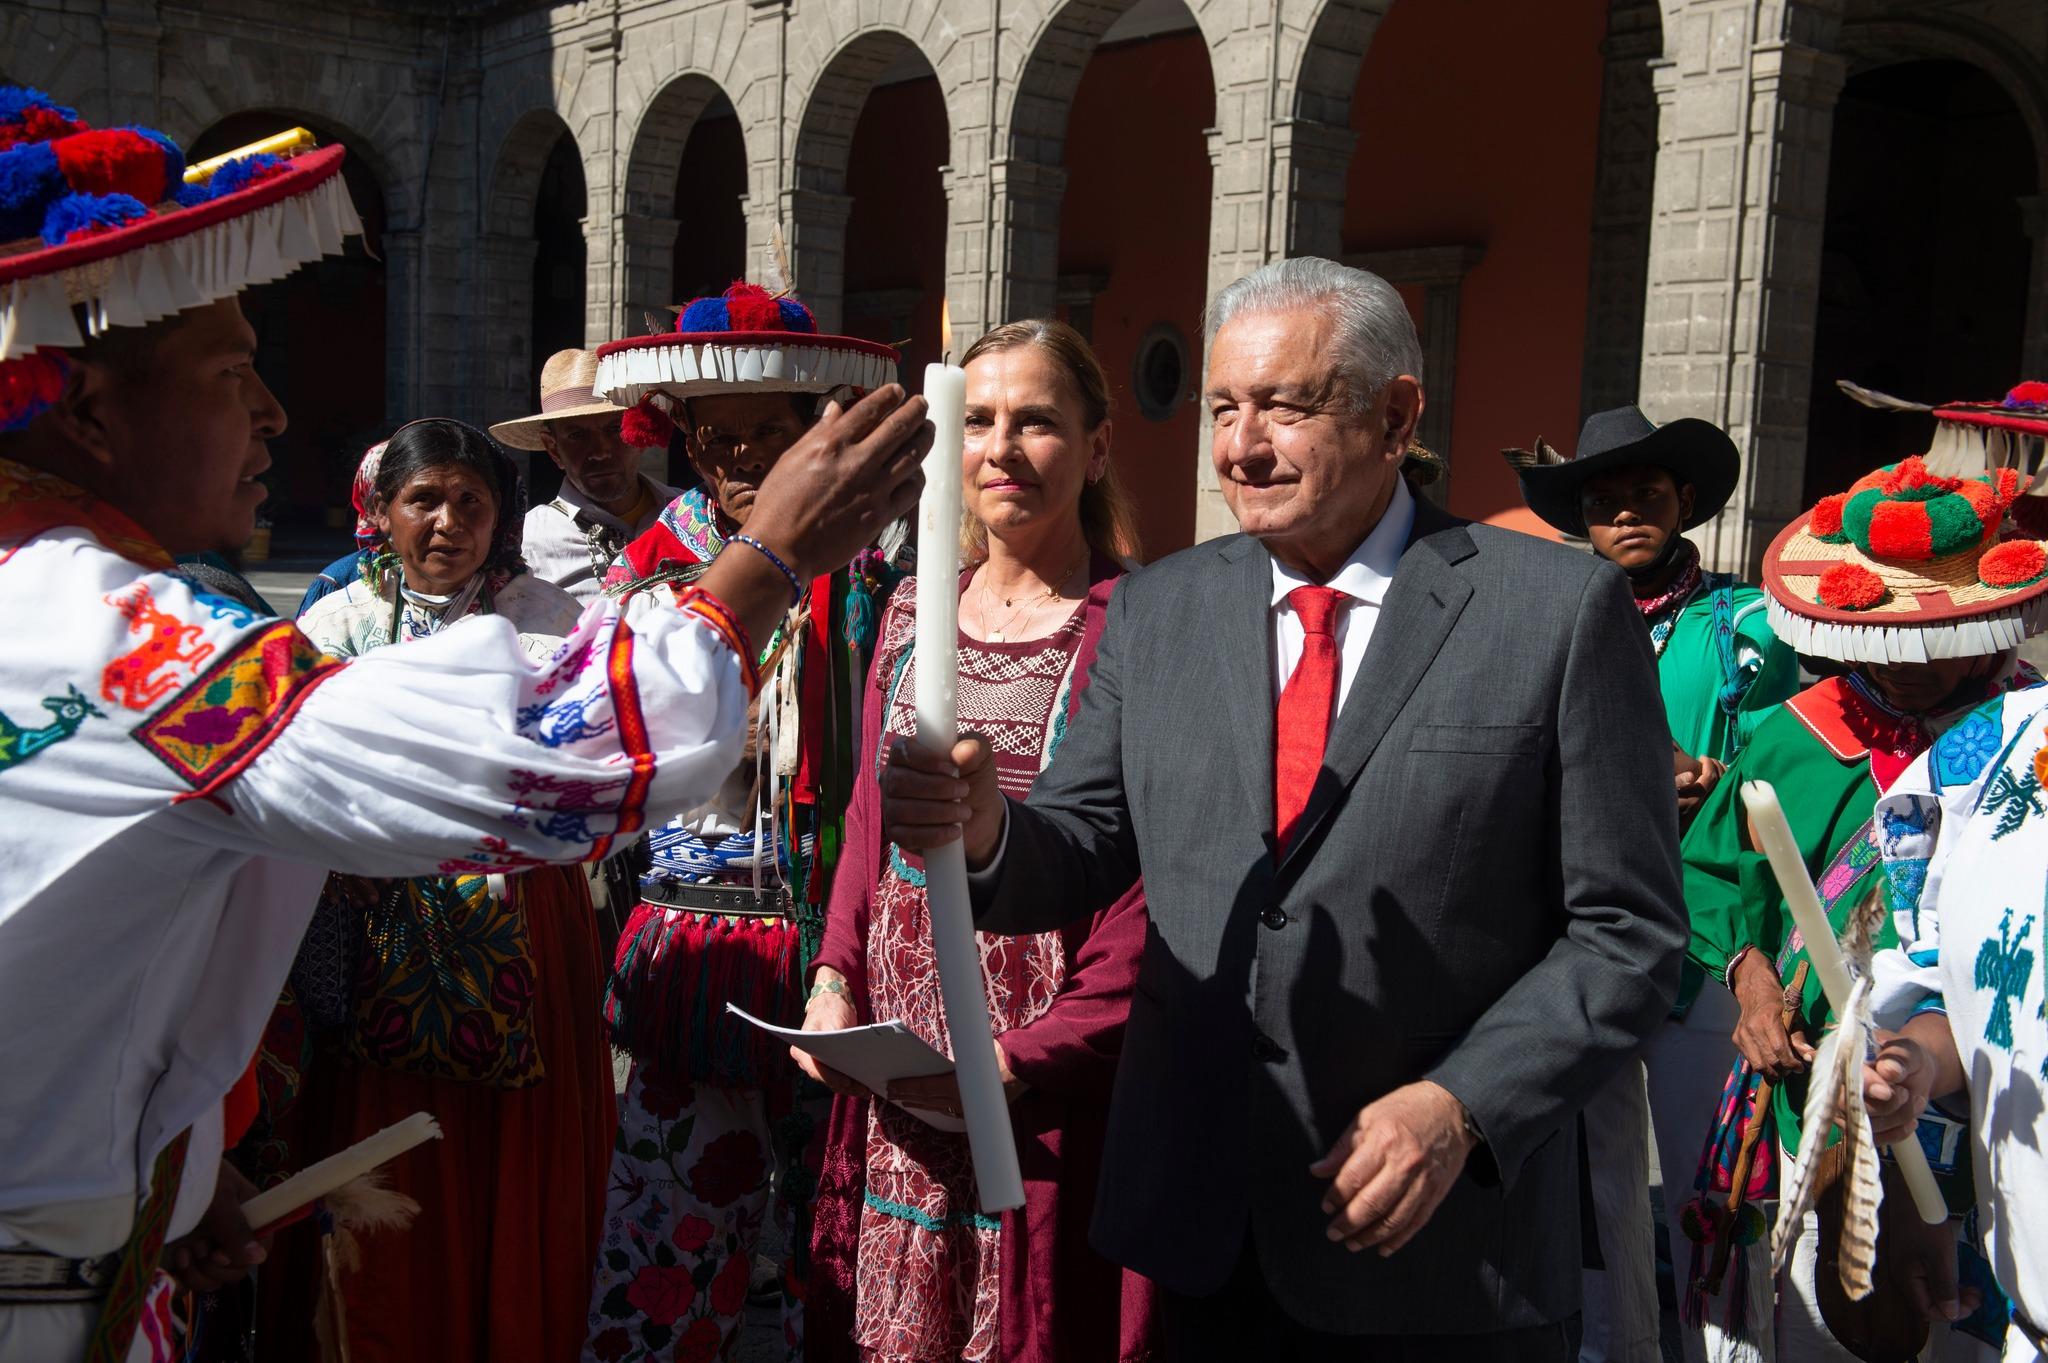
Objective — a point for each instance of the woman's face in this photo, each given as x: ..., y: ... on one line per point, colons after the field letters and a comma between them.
x: 1029, y: 449
x: 440, y: 523
x: 735, y: 439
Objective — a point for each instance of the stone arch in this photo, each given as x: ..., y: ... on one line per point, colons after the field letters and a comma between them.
x: 819, y: 204
x: 1872, y: 43
x: 651, y: 218
x: 1331, y: 43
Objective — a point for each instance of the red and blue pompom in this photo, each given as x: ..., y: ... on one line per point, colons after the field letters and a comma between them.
x: 32, y: 116
x: 747, y: 307
x: 2032, y: 395
x: 29, y: 385
x: 236, y: 176
x: 104, y: 162
x: 76, y: 217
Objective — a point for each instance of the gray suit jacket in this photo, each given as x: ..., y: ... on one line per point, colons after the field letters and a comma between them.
x: 1484, y: 892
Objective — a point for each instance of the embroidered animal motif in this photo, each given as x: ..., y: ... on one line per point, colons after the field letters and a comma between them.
x: 554, y: 723
x: 227, y: 608
x: 566, y: 827
x: 169, y: 645
x: 2004, y: 966
x: 570, y: 793
x: 67, y: 713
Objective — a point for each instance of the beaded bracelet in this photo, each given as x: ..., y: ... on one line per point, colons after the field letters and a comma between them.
x: 726, y: 625
x: 796, y: 584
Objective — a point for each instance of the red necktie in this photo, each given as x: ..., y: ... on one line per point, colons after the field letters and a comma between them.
x: 1301, y: 729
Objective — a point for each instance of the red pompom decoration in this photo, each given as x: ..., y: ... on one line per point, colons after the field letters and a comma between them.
x: 1901, y: 530
x: 1826, y: 521
x: 38, y: 123
x: 2014, y: 563
x: 752, y: 308
x: 2030, y: 394
x: 113, y: 161
x: 1851, y: 587
x: 28, y: 386
x: 645, y: 426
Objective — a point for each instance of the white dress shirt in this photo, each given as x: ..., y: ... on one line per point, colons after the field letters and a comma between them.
x: 1363, y: 578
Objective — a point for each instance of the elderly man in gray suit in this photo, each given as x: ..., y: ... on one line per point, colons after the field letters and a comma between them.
x: 1399, y: 787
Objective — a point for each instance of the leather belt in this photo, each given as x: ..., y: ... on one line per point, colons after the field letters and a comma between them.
x: 31, y: 1277
x: 730, y: 901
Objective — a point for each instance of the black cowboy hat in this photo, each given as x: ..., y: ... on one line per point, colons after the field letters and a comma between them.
x: 1690, y: 450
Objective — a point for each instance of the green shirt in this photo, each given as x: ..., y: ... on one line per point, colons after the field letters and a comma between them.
x: 1828, y: 797
x: 1692, y: 673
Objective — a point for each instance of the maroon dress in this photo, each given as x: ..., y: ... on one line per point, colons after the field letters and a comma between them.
x: 904, y: 1267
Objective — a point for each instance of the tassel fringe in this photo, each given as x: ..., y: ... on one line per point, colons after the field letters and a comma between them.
x: 675, y: 972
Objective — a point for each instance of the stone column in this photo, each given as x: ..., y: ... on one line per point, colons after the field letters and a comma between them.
x: 1625, y: 178
x: 1741, y: 194
x: 1310, y: 163
x: 506, y: 267
x: 817, y: 250
x: 647, y: 244
x: 1027, y: 235
x: 2034, y: 340
x: 132, y: 34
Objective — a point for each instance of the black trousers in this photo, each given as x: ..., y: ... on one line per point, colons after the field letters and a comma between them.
x: 1242, y: 1324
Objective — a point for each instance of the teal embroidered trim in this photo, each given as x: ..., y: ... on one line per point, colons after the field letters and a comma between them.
x: 931, y: 1223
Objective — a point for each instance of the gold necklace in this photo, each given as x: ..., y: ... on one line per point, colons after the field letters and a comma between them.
x: 1033, y: 603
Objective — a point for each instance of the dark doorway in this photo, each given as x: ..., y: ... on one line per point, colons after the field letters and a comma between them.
x: 558, y: 261
x: 1925, y: 267
x: 321, y: 348
x: 711, y: 219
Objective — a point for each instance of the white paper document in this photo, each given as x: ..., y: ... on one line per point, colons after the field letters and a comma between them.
x: 872, y: 1055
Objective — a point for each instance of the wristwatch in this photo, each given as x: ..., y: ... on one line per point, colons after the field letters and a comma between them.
x: 834, y: 985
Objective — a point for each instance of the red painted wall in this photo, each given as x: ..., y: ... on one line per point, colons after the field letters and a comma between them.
x: 1137, y: 210
x: 1478, y: 123
x: 896, y: 233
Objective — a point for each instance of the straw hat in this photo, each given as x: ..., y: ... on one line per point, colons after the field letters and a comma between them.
x: 746, y: 340
x: 1907, y: 566
x: 566, y: 384
x: 111, y: 220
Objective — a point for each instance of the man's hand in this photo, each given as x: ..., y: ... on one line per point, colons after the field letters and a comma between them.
x: 929, y: 799
x: 828, y: 495
x: 829, y: 1012
x: 1896, y: 1086
x: 1760, y: 1034
x: 220, y: 1250
x: 1694, y: 779
x: 843, y: 481
x: 941, y: 1092
x: 1392, y: 1167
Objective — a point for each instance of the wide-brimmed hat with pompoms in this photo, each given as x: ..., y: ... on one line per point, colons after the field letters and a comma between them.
x: 1907, y: 566
x: 111, y: 222
x: 746, y: 340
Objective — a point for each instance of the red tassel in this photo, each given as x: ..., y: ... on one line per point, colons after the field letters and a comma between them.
x: 645, y: 426
x: 675, y: 973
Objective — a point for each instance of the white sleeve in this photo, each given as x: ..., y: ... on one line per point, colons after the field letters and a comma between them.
x: 459, y: 753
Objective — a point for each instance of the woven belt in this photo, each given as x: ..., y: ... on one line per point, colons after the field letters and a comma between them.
x: 729, y: 901
x: 31, y: 1277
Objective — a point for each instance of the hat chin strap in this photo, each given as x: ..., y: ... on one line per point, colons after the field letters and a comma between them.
x: 1665, y: 557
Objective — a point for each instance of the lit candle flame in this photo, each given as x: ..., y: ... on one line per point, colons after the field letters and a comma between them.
x: 946, y: 327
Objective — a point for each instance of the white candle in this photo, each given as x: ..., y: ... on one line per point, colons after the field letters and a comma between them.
x: 989, y: 1137
x: 1774, y: 839
x: 316, y: 1181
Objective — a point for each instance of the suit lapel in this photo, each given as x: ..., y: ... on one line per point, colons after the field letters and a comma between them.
x: 1423, y: 603
x: 1245, y: 630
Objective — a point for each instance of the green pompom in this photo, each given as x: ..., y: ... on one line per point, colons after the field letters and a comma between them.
x: 1856, y: 516
x: 1953, y: 524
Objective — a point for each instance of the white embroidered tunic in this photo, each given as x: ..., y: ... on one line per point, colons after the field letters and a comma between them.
x: 1964, y: 832
x: 177, y: 773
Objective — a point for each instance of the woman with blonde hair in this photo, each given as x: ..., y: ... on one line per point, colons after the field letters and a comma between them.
x: 905, y: 1266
